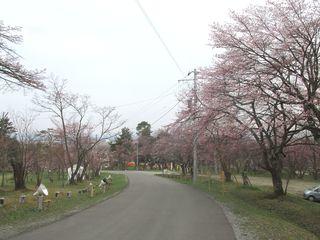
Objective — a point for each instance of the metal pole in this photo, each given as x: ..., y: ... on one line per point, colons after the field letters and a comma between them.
x: 196, y: 133
x: 137, y: 167
x: 195, y: 139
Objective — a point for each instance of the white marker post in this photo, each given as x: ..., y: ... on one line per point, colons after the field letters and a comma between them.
x: 40, y: 202
x: 22, y: 199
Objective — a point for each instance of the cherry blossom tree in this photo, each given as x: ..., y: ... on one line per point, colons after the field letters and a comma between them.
x: 276, y: 47
x: 266, y: 76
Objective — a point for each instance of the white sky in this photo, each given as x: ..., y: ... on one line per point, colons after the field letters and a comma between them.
x: 107, y: 50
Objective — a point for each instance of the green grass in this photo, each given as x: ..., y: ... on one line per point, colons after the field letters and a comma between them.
x: 15, y: 214
x: 290, y: 217
x: 264, y: 173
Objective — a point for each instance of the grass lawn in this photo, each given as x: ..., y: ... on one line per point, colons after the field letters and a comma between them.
x: 16, y: 218
x: 296, y: 186
x: 262, y: 215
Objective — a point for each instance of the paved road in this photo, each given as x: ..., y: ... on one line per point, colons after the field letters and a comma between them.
x: 151, y: 208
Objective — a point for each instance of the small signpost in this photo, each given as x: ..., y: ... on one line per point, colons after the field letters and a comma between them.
x: 1, y: 202
x: 22, y: 199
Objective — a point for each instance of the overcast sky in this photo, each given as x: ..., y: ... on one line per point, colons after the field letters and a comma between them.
x: 107, y: 49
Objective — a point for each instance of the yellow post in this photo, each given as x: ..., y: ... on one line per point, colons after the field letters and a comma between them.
x: 222, y: 179
x: 91, y: 189
x: 222, y: 176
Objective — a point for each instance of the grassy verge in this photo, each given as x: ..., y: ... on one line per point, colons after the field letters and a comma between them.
x: 266, y: 217
x: 15, y: 217
x: 296, y: 186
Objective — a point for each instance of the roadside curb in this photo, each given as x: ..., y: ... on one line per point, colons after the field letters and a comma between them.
x: 53, y: 219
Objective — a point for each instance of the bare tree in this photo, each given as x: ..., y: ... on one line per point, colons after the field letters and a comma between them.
x: 12, y: 72
x: 21, y: 149
x: 80, y: 125
x: 54, y: 101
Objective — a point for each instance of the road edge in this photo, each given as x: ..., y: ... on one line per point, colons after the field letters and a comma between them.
x: 234, y: 220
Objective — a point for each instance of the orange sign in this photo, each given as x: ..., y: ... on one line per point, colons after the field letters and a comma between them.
x: 131, y: 164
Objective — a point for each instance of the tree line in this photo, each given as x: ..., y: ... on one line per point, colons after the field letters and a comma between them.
x: 80, y: 129
x: 257, y: 106
x: 259, y: 101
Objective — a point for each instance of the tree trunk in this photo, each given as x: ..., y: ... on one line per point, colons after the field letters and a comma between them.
x: 314, y: 165
x: 2, y: 181
x: 3, y: 175
x: 245, y: 178
x: 97, y: 172
x: 19, y: 180
x: 273, y: 164
x: 277, y: 182
x: 226, y: 169
x: 63, y: 174
x: 59, y: 173
x: 74, y: 174
x: 183, y: 169
x: 227, y: 175
x: 18, y: 175
x: 39, y: 178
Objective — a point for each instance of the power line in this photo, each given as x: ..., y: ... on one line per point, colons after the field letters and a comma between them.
x: 163, y: 94
x: 142, y: 101
x: 154, y: 101
x: 162, y: 116
x: 157, y: 99
x: 159, y: 36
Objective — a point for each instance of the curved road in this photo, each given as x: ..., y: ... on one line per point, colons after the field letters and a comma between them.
x: 151, y: 208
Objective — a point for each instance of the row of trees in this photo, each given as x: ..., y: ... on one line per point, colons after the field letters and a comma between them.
x: 125, y: 148
x: 76, y: 142
x: 258, y: 104
x: 262, y: 92
x: 78, y: 139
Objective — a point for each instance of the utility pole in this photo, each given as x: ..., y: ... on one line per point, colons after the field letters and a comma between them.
x: 195, y: 136
x: 137, y: 167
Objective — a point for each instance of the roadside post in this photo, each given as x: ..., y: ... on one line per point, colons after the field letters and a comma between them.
x: 69, y: 194
x: 40, y: 202
x: 22, y: 199
x: 222, y: 179
x: 91, y: 189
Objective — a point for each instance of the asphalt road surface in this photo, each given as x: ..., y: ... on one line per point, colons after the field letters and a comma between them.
x: 151, y: 208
